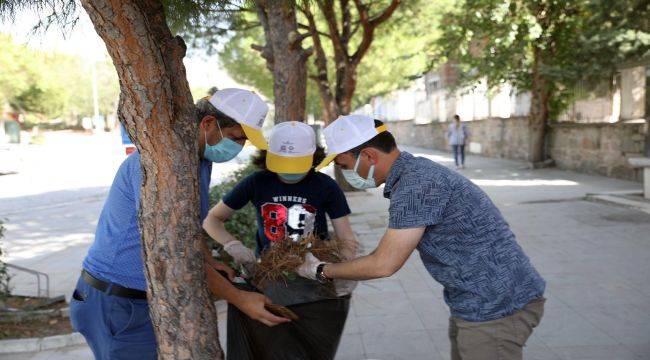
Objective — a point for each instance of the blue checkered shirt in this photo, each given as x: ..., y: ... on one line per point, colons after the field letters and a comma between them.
x: 467, y: 245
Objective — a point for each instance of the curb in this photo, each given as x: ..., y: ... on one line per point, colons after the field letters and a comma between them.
x: 40, y: 344
x: 611, y: 198
x: 28, y: 345
x: 18, y: 316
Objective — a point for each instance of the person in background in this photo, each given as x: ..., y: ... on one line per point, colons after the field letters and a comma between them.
x: 109, y: 304
x: 458, y: 136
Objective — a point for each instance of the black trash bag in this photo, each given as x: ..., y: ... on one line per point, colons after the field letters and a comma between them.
x: 298, y: 291
x: 314, y: 336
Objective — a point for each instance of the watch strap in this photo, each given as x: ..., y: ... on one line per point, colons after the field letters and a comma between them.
x: 320, y: 275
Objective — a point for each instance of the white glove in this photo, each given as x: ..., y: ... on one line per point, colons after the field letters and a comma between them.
x: 344, y: 287
x: 240, y: 253
x: 308, y: 268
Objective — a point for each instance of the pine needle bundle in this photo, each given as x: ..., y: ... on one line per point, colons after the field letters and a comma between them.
x: 279, y: 261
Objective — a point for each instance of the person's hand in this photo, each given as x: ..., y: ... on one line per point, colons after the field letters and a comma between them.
x: 308, y: 268
x: 223, y: 267
x: 240, y: 253
x: 252, y: 304
x: 344, y: 287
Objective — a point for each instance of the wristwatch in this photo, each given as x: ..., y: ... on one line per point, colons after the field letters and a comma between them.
x: 320, y: 276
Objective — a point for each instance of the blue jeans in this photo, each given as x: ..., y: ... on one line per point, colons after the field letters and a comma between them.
x: 114, y: 327
x: 459, y: 154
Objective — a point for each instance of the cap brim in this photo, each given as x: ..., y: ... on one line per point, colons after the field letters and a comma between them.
x: 289, y: 165
x: 255, y: 137
x: 328, y: 159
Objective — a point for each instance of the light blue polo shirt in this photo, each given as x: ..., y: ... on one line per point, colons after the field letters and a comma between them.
x: 116, y: 254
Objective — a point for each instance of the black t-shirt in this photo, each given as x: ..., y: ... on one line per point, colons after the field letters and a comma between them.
x: 290, y: 210
x: 286, y: 210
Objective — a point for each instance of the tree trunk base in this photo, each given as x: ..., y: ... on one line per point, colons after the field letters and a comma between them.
x: 548, y: 163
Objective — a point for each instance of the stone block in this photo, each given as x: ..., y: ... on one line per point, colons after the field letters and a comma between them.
x: 55, y: 342
x: 637, y: 137
x: 588, y: 144
x: 19, y: 346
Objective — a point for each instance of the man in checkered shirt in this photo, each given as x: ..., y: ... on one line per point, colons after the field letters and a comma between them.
x: 493, y: 291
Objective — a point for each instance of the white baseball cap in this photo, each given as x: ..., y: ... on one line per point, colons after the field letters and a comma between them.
x: 346, y: 133
x: 245, y: 107
x: 291, y: 148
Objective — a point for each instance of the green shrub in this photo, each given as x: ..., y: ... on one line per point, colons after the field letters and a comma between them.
x: 243, y: 224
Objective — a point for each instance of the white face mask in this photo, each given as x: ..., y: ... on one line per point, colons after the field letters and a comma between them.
x: 356, y: 181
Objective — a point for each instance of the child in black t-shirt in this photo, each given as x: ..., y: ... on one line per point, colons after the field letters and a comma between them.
x: 291, y: 201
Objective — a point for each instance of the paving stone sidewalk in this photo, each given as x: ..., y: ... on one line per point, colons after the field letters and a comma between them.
x: 594, y: 256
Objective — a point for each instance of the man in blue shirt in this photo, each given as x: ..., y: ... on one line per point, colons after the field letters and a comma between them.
x: 109, y: 305
x: 494, y: 293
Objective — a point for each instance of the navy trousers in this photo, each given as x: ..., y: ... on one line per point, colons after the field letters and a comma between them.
x: 459, y: 154
x: 115, y: 328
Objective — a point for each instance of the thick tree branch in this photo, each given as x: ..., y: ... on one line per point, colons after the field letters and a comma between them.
x: 306, y: 27
x: 297, y: 38
x: 320, y: 61
x: 357, y: 26
x: 266, y: 53
x: 386, y: 14
x: 345, y: 20
x: 369, y: 26
x: 306, y: 53
x: 340, y: 51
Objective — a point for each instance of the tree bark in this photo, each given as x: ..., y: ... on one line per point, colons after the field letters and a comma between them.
x: 339, y: 102
x: 330, y: 111
x: 539, y: 107
x: 157, y: 110
x: 285, y: 57
x: 346, y: 84
x: 647, y: 115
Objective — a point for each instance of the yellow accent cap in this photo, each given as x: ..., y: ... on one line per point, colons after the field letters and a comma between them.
x: 288, y: 165
x: 255, y: 137
x: 328, y: 159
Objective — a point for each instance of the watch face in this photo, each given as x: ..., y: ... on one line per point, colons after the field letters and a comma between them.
x: 319, y: 274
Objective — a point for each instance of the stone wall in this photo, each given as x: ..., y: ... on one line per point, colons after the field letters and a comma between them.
x: 495, y: 137
x: 430, y: 135
x: 598, y: 148
x: 590, y: 148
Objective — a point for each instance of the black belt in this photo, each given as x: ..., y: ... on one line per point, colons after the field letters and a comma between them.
x: 115, y: 289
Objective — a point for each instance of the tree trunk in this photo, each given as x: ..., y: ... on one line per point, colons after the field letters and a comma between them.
x: 330, y: 112
x: 157, y: 110
x: 538, y: 118
x: 285, y: 57
x: 647, y: 114
x: 346, y: 65
x: 346, y: 84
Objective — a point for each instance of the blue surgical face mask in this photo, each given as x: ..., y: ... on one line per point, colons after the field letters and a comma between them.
x: 224, y: 150
x: 292, y: 178
x: 356, y: 181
